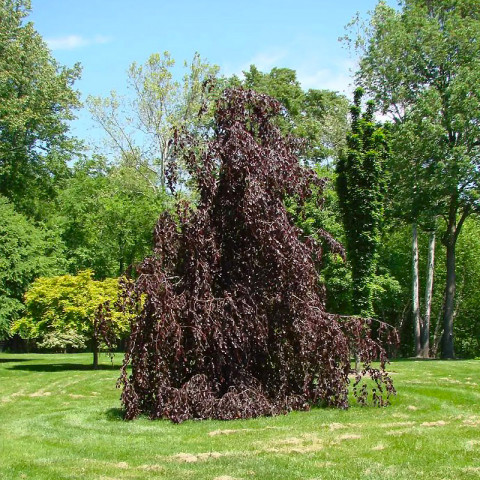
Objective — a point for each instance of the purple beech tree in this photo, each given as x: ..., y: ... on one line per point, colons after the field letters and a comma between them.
x: 232, y: 320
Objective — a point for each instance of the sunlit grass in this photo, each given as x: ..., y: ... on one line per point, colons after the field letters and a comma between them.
x: 61, y: 420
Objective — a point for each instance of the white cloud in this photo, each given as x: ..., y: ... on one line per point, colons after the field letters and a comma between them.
x: 326, y: 79
x: 71, y: 42
x: 264, y: 61
x: 314, y: 69
x: 337, y: 76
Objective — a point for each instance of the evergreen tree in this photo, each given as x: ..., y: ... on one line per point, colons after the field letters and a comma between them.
x: 361, y: 186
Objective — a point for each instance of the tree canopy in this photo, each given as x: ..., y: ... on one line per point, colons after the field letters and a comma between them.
x: 140, y: 128
x: 317, y: 116
x: 106, y: 216
x: 69, y: 306
x: 37, y: 101
x: 26, y: 252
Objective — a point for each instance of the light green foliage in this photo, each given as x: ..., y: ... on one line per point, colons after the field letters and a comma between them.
x: 361, y: 186
x: 141, y: 128
x: 107, y: 215
x: 318, y: 116
x: 37, y: 100
x: 26, y: 251
x: 68, y: 303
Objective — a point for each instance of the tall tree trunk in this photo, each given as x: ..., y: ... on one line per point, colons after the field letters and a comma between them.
x: 450, y: 242
x: 437, y: 334
x: 415, y: 292
x: 447, y: 338
x: 425, y: 331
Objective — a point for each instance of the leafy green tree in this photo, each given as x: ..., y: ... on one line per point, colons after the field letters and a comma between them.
x: 66, y: 307
x: 26, y: 252
x: 412, y: 200
x: 361, y: 186
x: 318, y: 116
x: 394, y: 257
x: 37, y: 102
x: 141, y: 128
x: 422, y: 62
x: 107, y: 215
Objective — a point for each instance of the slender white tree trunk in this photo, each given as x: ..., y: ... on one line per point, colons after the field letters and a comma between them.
x: 425, y: 331
x: 437, y: 334
x: 415, y: 293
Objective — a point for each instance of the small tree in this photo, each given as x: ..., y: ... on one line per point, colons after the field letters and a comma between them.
x: 361, y: 186
x: 70, y: 305
x: 233, y: 323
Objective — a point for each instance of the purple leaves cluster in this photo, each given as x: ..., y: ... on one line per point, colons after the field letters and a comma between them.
x: 232, y: 321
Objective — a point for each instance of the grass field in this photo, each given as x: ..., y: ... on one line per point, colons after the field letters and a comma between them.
x: 61, y: 420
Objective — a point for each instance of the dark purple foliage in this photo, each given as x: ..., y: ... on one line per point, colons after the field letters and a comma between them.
x: 233, y: 321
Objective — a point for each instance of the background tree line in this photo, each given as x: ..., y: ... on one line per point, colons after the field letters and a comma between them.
x: 64, y: 209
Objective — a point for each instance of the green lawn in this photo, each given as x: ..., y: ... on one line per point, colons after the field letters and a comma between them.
x: 61, y: 420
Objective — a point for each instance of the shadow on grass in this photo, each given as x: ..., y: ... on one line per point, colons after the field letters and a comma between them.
x: 419, y: 359
x: 13, y: 360
x: 62, y: 367
x: 115, y: 414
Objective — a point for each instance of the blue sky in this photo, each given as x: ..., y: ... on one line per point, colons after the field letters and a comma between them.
x: 106, y: 36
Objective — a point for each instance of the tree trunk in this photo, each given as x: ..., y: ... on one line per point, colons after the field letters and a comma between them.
x: 95, y: 352
x: 415, y: 293
x: 425, y: 333
x: 447, y: 338
x: 437, y: 334
x: 121, y: 260
x: 450, y: 242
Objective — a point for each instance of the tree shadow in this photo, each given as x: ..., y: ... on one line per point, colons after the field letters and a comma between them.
x: 62, y: 367
x: 419, y: 359
x: 13, y: 360
x: 115, y: 414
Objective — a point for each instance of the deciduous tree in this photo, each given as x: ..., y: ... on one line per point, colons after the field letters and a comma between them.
x: 106, y: 215
x: 317, y: 116
x: 421, y: 63
x: 37, y: 101
x: 233, y: 323
x: 70, y: 304
x: 141, y: 127
x: 26, y: 252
